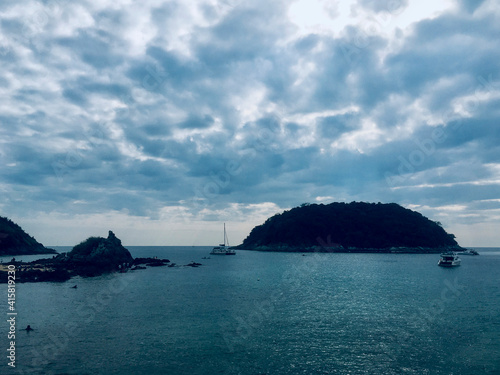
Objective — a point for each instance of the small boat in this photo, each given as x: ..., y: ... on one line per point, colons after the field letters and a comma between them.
x: 468, y: 252
x: 450, y: 259
x: 223, y: 248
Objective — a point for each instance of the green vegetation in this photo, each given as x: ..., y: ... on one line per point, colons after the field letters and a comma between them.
x: 348, y: 227
x: 15, y: 241
x: 97, y: 255
x: 92, y: 257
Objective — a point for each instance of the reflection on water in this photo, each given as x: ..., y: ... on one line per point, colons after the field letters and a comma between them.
x: 268, y: 313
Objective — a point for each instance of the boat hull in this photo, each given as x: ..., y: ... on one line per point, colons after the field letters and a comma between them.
x: 222, y: 251
x: 223, y: 248
x: 448, y: 264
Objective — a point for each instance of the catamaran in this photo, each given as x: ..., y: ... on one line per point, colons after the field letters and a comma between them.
x: 223, y: 249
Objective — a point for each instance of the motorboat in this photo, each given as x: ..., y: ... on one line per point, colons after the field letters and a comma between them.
x: 449, y: 259
x: 468, y: 252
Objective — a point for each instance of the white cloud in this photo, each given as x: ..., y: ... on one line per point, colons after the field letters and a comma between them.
x: 140, y: 105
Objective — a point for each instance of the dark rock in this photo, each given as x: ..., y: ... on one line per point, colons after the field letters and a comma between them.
x: 97, y: 255
x: 32, y: 275
x: 149, y: 260
x: 15, y: 241
x: 156, y: 264
x: 94, y: 256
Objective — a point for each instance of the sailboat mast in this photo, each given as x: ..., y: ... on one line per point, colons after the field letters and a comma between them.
x: 226, y: 240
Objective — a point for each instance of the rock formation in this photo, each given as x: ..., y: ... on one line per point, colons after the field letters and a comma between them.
x: 15, y: 241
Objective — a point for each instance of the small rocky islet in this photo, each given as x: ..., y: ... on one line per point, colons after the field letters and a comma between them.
x: 92, y: 257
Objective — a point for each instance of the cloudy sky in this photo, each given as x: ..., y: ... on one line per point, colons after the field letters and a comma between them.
x: 161, y: 120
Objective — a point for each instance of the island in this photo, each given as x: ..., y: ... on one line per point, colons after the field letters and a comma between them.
x: 93, y: 257
x: 15, y: 241
x: 350, y: 227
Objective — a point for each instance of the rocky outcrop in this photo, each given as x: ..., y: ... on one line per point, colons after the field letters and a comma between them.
x: 15, y: 241
x: 96, y: 255
x: 101, y: 251
x: 151, y: 262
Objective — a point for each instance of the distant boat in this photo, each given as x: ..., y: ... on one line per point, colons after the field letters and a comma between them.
x: 223, y: 249
x: 449, y: 259
x: 468, y: 252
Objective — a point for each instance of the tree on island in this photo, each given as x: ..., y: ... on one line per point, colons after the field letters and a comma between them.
x: 15, y: 241
x: 355, y: 225
x: 97, y: 255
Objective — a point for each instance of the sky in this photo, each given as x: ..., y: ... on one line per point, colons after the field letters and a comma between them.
x: 162, y: 120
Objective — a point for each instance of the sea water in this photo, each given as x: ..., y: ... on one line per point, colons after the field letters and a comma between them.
x: 265, y: 313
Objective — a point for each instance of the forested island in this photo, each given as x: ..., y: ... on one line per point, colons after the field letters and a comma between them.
x: 350, y: 227
x: 15, y: 241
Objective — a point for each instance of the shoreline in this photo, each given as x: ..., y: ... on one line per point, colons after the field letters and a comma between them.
x: 322, y: 249
x: 48, y: 270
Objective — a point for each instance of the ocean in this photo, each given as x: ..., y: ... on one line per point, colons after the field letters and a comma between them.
x: 264, y: 313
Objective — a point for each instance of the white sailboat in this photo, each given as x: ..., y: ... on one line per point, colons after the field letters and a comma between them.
x: 223, y: 249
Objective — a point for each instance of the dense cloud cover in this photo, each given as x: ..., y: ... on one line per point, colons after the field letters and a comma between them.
x: 162, y: 119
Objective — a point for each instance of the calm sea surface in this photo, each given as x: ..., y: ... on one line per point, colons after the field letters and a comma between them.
x: 265, y: 313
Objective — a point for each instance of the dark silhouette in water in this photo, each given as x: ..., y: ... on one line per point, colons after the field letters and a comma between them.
x: 28, y: 328
x: 92, y: 257
x: 351, y: 227
x: 15, y: 241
